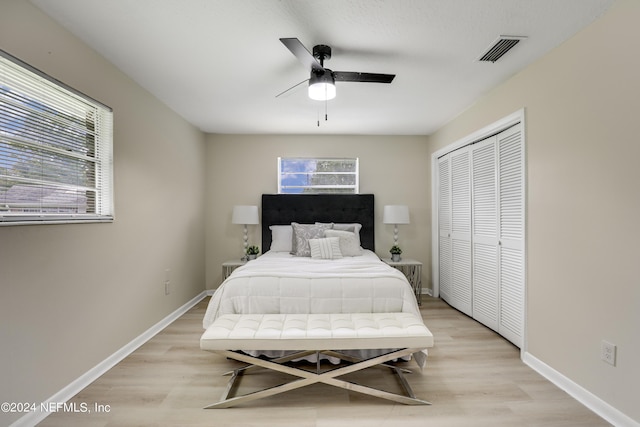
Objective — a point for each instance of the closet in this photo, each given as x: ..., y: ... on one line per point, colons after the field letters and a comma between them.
x: 481, y: 231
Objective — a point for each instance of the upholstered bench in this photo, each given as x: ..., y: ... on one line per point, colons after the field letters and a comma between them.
x: 306, y: 334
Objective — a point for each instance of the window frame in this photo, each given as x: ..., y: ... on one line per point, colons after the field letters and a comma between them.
x: 319, y: 188
x: 56, y: 150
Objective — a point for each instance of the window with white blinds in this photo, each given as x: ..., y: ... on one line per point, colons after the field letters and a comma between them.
x: 298, y: 175
x: 56, y: 150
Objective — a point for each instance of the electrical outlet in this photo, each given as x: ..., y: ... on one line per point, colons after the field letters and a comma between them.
x: 167, y: 281
x: 608, y: 353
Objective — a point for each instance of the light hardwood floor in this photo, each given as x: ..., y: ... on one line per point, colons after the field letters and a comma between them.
x: 473, y: 378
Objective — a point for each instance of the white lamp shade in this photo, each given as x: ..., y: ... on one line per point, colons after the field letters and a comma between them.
x: 243, y: 214
x: 396, y: 214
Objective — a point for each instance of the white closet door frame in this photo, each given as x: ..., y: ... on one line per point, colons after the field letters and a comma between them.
x: 487, y: 131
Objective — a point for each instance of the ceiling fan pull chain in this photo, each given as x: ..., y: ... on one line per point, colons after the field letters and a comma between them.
x: 326, y: 108
x: 326, y: 112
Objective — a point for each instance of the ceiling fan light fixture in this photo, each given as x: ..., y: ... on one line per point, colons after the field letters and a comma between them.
x: 322, y: 81
x: 322, y: 87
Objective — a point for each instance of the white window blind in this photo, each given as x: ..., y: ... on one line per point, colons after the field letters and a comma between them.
x: 317, y: 175
x: 56, y: 150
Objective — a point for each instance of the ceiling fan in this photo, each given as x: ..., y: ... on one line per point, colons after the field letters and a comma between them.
x: 322, y: 80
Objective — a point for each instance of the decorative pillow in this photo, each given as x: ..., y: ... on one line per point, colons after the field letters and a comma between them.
x: 281, y: 236
x: 327, y: 248
x: 349, y: 242
x: 301, y: 235
x: 353, y: 227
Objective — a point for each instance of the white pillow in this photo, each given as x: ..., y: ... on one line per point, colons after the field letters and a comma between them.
x: 327, y: 248
x: 349, y: 242
x: 281, y: 236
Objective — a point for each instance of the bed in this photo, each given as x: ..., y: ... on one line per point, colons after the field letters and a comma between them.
x: 318, y: 260
x: 279, y: 282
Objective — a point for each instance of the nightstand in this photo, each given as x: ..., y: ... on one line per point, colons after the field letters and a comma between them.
x: 229, y: 266
x: 413, y: 270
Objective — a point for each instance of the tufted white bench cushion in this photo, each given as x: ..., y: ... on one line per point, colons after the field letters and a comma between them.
x: 348, y: 331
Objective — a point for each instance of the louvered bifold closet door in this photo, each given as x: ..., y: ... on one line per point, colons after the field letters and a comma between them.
x: 461, y: 231
x: 485, y: 233
x: 511, y: 211
x: 481, y: 231
x: 444, y: 226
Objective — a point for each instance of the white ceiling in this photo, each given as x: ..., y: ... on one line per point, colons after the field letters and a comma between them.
x: 220, y: 64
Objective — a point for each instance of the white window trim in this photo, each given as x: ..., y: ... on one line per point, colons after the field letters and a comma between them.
x: 356, y: 173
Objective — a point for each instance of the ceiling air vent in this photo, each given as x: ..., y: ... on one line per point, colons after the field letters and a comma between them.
x: 500, y: 47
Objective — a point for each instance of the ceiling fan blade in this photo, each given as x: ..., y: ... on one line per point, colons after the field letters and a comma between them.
x: 354, y: 76
x: 303, y: 55
x: 292, y: 87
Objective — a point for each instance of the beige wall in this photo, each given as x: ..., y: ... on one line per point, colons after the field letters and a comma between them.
x: 72, y: 295
x: 583, y: 205
x: 240, y: 168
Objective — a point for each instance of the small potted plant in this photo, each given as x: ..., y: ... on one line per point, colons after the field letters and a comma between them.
x: 252, y: 252
x: 395, y: 253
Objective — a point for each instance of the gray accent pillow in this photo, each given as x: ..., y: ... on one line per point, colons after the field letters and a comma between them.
x: 301, y: 235
x: 349, y: 242
x: 353, y: 227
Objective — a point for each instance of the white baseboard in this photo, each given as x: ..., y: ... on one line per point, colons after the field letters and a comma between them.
x: 33, y: 418
x: 588, y: 399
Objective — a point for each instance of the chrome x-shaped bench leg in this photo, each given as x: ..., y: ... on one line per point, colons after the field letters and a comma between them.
x: 308, y: 378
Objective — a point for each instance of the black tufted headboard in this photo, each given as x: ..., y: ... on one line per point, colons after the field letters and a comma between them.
x: 283, y: 209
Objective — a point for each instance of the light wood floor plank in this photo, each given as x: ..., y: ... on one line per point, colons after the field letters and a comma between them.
x: 473, y: 378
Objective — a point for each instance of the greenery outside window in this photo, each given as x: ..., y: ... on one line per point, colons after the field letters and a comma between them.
x: 56, y: 150
x: 317, y: 175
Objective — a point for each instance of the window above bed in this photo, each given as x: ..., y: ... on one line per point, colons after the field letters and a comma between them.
x: 303, y: 175
x: 55, y: 150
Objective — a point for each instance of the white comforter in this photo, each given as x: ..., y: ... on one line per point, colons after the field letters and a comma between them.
x: 281, y: 283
